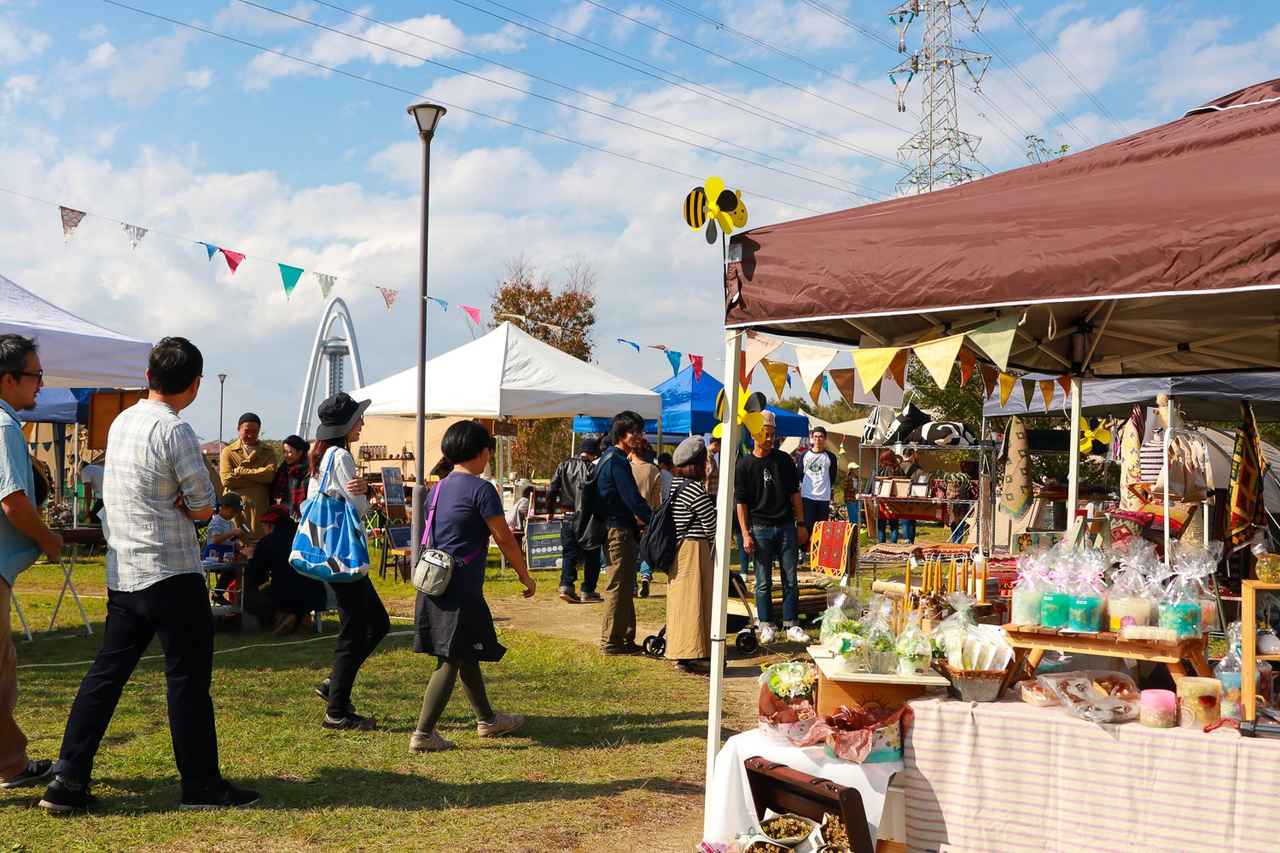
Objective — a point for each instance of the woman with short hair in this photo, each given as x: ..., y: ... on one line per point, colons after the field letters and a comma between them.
x: 690, y: 579
x: 293, y: 476
x: 464, y: 510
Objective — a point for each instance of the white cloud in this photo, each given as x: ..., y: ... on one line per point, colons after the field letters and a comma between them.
x: 480, y: 94
x: 198, y: 79
x: 798, y: 26
x: 17, y: 90
x: 144, y: 71
x: 18, y: 43
x: 242, y: 18
x: 576, y: 19
x: 97, y: 32
x: 101, y: 55
x: 1199, y: 64
x: 508, y: 39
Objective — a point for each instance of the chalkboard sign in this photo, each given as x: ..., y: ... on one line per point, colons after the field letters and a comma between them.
x: 542, y: 544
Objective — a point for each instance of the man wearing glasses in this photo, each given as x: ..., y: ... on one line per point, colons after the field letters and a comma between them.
x: 23, y: 537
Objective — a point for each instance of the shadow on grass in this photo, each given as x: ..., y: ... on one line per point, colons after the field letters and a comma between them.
x: 595, y: 731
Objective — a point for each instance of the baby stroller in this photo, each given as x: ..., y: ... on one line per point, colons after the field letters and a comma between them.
x: 655, y: 645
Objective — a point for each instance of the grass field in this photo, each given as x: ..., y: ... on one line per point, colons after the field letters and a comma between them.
x: 612, y: 752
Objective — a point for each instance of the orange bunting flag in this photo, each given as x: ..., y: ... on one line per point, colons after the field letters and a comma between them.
x: 898, y: 368
x: 845, y: 379
x: 777, y: 371
x: 1065, y: 382
x: 1006, y: 388
x: 815, y: 390
x: 967, y: 362
x: 989, y: 375
x: 1046, y: 392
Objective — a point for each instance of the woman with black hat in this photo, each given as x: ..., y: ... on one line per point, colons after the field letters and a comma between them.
x: 364, y: 619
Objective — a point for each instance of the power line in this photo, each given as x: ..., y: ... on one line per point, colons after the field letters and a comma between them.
x: 718, y: 24
x: 850, y: 23
x: 567, y: 104
x: 1053, y: 108
x: 671, y: 78
x: 411, y: 93
x: 765, y: 74
x: 1074, y: 79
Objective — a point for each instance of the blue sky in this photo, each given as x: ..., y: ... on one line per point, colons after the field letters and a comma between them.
x: 139, y: 120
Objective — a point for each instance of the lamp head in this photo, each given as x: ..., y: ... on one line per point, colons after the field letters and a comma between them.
x: 427, y: 115
x: 222, y: 377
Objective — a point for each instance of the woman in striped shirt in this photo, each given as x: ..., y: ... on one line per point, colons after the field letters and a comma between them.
x: 690, y: 579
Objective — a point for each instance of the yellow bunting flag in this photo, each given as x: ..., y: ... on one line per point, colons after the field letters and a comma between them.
x: 996, y: 339
x: 1046, y: 392
x: 939, y: 356
x: 872, y: 362
x: 755, y: 348
x: 988, y: 380
x: 845, y: 380
x: 777, y: 371
x: 967, y: 362
x: 1006, y: 388
x: 815, y: 391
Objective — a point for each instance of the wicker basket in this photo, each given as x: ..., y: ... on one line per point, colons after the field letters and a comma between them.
x: 978, y: 685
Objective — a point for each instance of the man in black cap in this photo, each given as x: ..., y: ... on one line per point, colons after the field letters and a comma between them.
x: 565, y: 493
x: 248, y: 468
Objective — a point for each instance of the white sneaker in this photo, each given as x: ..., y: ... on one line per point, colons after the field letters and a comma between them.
x: 796, y: 634
x: 767, y: 634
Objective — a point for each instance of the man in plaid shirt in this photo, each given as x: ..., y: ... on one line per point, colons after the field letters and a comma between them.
x: 155, y: 487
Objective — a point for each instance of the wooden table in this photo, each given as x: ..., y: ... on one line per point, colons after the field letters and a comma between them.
x: 1030, y: 642
x: 837, y: 686
x: 1249, y: 645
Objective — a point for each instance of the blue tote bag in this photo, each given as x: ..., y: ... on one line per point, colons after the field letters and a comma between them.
x: 330, y: 544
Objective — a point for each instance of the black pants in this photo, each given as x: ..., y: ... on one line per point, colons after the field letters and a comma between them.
x: 571, y: 554
x: 364, y: 624
x: 177, y: 610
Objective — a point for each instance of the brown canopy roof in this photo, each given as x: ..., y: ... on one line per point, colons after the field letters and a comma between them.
x: 1162, y: 249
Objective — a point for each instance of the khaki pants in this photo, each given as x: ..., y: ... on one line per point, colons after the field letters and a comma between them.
x: 13, y: 743
x: 619, y: 627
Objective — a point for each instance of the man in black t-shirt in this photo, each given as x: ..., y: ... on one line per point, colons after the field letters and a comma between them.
x: 767, y: 497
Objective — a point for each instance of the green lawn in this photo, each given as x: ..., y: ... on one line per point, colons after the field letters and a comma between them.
x: 613, y: 747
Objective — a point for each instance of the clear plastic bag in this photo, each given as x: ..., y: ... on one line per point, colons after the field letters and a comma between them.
x: 1095, y: 695
x: 882, y: 655
x: 915, y: 652
x: 840, y: 618
x: 1034, y: 693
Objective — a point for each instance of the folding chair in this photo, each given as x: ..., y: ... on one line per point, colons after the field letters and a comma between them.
x: 17, y: 605
x: 67, y: 562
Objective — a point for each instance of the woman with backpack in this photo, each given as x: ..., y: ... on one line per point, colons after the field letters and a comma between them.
x: 689, y: 589
x: 464, y: 510
x: 364, y: 618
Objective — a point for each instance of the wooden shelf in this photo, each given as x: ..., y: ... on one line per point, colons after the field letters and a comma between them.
x: 1266, y: 657
x: 1259, y: 585
x: 1105, y: 643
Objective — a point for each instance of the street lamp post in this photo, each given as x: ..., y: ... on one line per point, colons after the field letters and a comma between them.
x: 222, y: 385
x: 427, y: 116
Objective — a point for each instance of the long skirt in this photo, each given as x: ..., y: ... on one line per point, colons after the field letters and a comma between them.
x: 689, y: 601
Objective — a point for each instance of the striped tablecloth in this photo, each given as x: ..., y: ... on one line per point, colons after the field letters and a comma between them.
x: 1008, y: 776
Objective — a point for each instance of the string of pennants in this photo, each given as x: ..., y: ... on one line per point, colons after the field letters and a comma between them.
x: 939, y: 357
x: 674, y: 357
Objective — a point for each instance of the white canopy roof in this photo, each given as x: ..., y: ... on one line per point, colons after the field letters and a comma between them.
x: 73, y: 352
x: 509, y: 373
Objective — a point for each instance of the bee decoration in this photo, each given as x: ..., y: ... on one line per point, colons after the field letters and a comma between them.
x: 712, y: 204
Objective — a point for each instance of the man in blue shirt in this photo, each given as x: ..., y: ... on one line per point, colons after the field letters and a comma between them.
x: 23, y: 536
x: 625, y: 512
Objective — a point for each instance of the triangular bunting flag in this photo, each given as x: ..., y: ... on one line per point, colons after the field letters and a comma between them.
x: 437, y: 300
x: 777, y: 371
x: 872, y: 363
x: 1065, y: 383
x: 695, y: 361
x: 989, y: 374
x: 788, y: 378
x: 70, y: 220
x: 815, y: 391
x: 388, y: 296
x: 1028, y: 393
x: 474, y: 314
x: 826, y: 386
x: 674, y: 357
x: 755, y: 348
x: 326, y: 283
x: 1046, y: 392
x: 135, y: 234
x: 898, y: 368
x: 233, y: 259
x: 996, y: 339
x: 844, y: 377
x: 662, y: 347
x: 1006, y: 388
x: 812, y: 361
x: 967, y: 362
x: 939, y: 356
x: 289, y: 278
x: 744, y: 375
x: 635, y: 346
x: 211, y: 249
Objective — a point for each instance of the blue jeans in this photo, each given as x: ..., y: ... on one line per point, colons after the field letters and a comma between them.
x: 907, y: 530
x: 776, y: 544
x: 645, y: 572
x: 571, y: 554
x: 885, y: 528
x: 852, y: 507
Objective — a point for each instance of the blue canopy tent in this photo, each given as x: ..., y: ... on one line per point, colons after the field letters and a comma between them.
x: 689, y: 408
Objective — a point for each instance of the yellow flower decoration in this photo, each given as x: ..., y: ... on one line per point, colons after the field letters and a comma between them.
x: 1088, y: 435
x: 750, y: 407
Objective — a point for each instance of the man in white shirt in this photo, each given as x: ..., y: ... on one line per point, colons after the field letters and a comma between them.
x: 91, y: 477
x: 155, y: 488
x: 817, y: 478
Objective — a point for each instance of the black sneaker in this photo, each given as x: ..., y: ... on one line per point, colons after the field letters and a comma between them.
x: 322, y: 690
x: 590, y: 596
x: 644, y: 588
x: 350, y: 721
x: 223, y: 795
x: 622, y: 649
x: 67, y: 798
x: 35, y: 771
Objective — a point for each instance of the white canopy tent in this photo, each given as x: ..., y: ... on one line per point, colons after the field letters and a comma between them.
x: 509, y: 373
x: 73, y: 352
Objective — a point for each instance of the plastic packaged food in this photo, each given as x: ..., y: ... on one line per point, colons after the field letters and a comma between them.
x: 1033, y: 579
x: 882, y: 656
x: 840, y: 618
x: 1055, y: 609
x: 1095, y: 696
x: 1035, y: 693
x: 1149, y: 632
x: 1085, y: 613
x: 1159, y: 709
x: 850, y: 650
x: 1199, y: 702
x: 1026, y: 605
x: 1267, y: 566
x: 915, y: 652
x: 1228, y: 671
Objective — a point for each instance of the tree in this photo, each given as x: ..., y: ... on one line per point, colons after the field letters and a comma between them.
x: 1038, y: 151
x: 563, y: 317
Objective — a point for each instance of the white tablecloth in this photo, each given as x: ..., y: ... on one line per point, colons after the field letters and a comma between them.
x: 730, y: 811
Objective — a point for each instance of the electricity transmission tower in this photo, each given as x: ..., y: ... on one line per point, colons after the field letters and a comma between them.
x: 940, y: 154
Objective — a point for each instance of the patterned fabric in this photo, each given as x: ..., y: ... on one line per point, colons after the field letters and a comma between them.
x: 290, y: 487
x: 153, y: 457
x: 17, y: 552
x: 693, y: 511
x: 1130, y: 465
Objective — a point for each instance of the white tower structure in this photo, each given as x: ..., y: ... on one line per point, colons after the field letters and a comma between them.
x: 940, y: 154
x: 335, y: 341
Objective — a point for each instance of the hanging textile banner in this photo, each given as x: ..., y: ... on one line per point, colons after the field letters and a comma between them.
x: 635, y: 346
x: 674, y: 358
x: 989, y: 375
x: 996, y: 339
x: 939, y: 356
x: 1046, y: 392
x: 70, y: 220
x: 696, y: 362
x: 388, y: 296
x: 289, y: 278
x: 756, y: 347
x: 233, y: 259
x: 844, y: 377
x: 135, y: 233
x: 967, y: 362
x: 211, y: 249
x: 326, y: 283
x: 812, y: 361
x: 1007, y: 384
x: 872, y: 363
x: 1247, y: 465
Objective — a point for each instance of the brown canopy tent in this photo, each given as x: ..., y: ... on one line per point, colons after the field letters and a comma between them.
x: 1157, y: 254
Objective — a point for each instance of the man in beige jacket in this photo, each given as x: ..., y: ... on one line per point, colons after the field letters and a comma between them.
x: 248, y: 468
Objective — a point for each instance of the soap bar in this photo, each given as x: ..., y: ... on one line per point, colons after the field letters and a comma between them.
x: 1055, y: 609
x: 1026, y: 605
x: 1159, y: 709
x: 1199, y: 702
x: 1085, y: 613
x: 1126, y: 610
x: 1183, y: 617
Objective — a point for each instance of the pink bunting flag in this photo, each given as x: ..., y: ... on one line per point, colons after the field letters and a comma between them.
x: 473, y: 313
x: 388, y: 296
x: 233, y: 259
x: 696, y: 362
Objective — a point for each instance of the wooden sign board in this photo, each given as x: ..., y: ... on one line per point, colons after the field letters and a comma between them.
x: 104, y: 406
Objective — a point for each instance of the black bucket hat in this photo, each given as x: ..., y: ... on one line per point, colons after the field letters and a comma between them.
x: 338, y: 414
